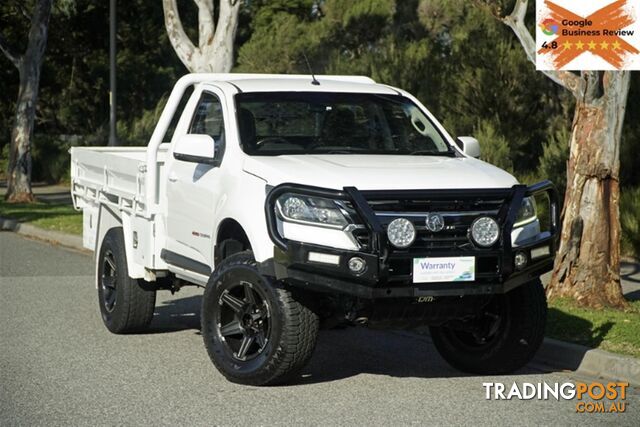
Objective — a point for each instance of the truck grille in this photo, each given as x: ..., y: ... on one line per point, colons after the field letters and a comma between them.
x: 458, y: 214
x: 458, y: 211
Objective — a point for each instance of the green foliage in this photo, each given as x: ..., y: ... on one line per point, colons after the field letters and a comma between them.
x: 138, y: 131
x: 553, y: 163
x: 494, y: 147
x: 630, y: 139
x: 630, y: 221
x: 276, y: 51
x: 50, y: 158
x: 4, y: 160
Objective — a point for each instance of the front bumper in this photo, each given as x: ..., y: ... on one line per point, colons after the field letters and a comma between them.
x: 388, y: 274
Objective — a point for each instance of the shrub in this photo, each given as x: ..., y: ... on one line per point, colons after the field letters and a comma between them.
x: 630, y: 221
x: 494, y: 147
x: 51, y: 159
x: 553, y: 163
x: 4, y: 161
x: 138, y: 130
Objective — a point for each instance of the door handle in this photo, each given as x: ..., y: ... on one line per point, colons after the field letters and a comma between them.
x: 173, y: 177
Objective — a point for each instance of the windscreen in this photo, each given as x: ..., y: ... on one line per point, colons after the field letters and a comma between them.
x: 276, y: 123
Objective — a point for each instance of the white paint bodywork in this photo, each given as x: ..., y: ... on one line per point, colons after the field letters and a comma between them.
x: 164, y: 203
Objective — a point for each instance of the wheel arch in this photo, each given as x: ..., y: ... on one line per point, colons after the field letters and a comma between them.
x: 109, y: 219
x: 231, y: 238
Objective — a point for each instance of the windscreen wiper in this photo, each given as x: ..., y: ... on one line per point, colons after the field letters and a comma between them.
x: 449, y: 153
x: 337, y: 150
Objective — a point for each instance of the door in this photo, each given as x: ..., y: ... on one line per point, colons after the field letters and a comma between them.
x: 193, y: 189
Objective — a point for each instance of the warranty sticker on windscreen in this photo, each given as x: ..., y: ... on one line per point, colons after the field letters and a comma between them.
x: 444, y: 269
x: 588, y: 35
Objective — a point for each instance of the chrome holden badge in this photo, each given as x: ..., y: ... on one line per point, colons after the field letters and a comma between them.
x: 435, y: 222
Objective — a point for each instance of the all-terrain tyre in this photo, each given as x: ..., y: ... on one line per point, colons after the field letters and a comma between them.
x: 505, y: 338
x: 255, y: 331
x: 126, y: 304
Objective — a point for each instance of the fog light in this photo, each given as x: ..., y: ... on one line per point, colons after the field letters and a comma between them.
x: 520, y: 260
x: 401, y: 233
x: 357, y: 265
x: 485, y: 231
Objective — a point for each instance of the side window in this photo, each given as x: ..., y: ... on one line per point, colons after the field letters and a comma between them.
x: 168, y: 136
x: 208, y: 120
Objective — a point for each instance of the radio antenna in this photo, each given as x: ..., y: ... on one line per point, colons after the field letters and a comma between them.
x: 314, y: 81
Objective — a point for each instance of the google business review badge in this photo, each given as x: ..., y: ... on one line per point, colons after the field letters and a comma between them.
x: 588, y: 35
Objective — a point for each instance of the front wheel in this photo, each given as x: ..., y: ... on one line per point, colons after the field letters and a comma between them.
x: 255, y: 331
x: 504, y: 338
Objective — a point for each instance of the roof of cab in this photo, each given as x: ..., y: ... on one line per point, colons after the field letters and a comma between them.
x: 300, y: 83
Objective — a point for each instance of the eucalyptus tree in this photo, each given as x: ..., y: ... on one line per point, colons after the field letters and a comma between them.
x: 214, y: 51
x: 29, y: 65
x: 587, y: 266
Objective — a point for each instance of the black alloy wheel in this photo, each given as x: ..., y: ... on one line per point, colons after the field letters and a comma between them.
x: 256, y: 330
x: 109, y: 281
x: 243, y: 321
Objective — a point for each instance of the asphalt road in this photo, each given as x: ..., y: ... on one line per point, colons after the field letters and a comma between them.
x: 60, y: 366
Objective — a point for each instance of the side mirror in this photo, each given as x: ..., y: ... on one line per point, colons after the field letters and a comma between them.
x: 195, y: 148
x: 469, y: 145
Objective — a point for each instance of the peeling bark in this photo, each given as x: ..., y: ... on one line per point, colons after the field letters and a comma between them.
x: 587, y: 266
x: 214, y: 53
x: 29, y: 66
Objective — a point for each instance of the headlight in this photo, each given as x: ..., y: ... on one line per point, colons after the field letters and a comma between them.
x: 314, y: 210
x: 485, y: 231
x: 401, y: 233
x: 527, y: 212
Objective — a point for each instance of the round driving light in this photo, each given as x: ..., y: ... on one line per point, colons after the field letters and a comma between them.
x: 401, y: 233
x: 357, y: 265
x: 520, y: 260
x: 485, y: 231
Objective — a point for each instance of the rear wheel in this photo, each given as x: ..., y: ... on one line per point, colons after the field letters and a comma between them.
x: 501, y: 340
x: 126, y: 304
x: 255, y: 331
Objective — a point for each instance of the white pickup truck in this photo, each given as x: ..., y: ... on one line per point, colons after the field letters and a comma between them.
x: 300, y: 202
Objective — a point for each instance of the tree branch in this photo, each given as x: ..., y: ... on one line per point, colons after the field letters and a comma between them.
x: 206, y: 26
x: 11, y: 55
x: 226, y: 33
x: 39, y: 29
x: 179, y: 40
x: 515, y: 21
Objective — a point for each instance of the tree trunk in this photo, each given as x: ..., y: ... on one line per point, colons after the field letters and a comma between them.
x: 214, y: 53
x: 29, y: 65
x: 587, y: 266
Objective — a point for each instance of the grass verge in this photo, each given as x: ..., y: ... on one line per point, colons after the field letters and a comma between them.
x: 608, y: 329
x: 58, y: 217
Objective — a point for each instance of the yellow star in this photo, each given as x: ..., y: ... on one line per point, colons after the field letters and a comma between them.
x: 604, y: 45
x: 579, y: 45
x: 566, y: 45
x: 592, y: 45
x: 615, y: 45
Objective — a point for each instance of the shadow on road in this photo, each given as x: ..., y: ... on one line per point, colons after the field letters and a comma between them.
x: 339, y: 353
x: 62, y: 197
x: 177, y: 315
